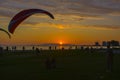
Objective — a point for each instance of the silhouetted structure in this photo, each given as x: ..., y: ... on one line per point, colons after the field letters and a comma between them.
x: 104, y: 43
x: 97, y: 44
x: 111, y: 43
x: 109, y: 59
x: 114, y: 43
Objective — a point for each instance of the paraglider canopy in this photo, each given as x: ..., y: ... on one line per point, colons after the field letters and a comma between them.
x: 5, y: 32
x: 21, y: 16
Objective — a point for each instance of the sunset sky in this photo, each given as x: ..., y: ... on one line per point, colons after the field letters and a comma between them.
x: 76, y: 21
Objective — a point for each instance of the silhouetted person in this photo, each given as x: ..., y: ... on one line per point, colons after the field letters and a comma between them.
x: 7, y: 48
x: 37, y: 51
x: 23, y: 48
x: 76, y: 47
x: 48, y: 63
x: 14, y: 48
x: 109, y: 59
x: 87, y: 49
x: 50, y: 48
x: 33, y: 48
x: 55, y: 47
x: 1, y: 50
x: 91, y: 50
x: 82, y: 48
x: 53, y: 63
x: 62, y: 48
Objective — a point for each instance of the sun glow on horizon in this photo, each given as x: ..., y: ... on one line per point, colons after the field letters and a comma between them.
x: 60, y: 42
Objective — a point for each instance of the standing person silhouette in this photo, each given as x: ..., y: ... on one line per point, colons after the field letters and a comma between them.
x: 53, y: 63
x: 1, y: 50
x: 50, y: 47
x: 7, y: 48
x: 23, y: 48
x: 33, y: 48
x: 37, y: 51
x: 48, y: 63
x: 109, y: 59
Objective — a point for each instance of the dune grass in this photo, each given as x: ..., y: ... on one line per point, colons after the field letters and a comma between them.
x: 70, y: 65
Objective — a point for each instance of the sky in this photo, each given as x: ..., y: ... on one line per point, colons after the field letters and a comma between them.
x: 76, y: 21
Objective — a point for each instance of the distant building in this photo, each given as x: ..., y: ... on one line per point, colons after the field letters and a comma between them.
x: 112, y: 43
x: 104, y: 43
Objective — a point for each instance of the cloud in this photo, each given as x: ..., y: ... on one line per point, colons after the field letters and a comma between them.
x: 65, y: 11
x: 66, y: 6
x: 74, y: 7
x: 71, y: 26
x: 101, y: 27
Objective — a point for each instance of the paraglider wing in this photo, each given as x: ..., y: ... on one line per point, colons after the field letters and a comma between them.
x: 21, y: 16
x: 5, y: 32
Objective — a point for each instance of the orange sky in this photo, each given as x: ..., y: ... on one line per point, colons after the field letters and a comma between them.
x: 82, y: 23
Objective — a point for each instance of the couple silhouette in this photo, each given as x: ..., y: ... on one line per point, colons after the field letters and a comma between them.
x: 50, y: 63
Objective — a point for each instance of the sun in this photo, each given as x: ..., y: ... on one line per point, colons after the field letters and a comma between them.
x: 60, y: 42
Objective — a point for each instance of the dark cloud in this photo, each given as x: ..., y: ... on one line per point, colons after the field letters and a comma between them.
x: 66, y: 6
x: 69, y: 10
x: 104, y: 27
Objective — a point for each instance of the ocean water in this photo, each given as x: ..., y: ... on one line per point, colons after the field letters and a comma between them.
x: 53, y: 47
x: 39, y: 47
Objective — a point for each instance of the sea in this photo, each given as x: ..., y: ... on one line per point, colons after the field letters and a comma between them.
x: 39, y: 47
x: 58, y: 47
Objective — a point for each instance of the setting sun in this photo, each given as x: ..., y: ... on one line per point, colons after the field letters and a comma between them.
x: 60, y: 42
